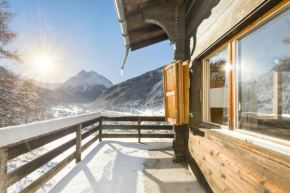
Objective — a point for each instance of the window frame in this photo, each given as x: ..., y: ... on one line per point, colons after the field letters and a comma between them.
x: 233, y: 100
x: 204, y: 81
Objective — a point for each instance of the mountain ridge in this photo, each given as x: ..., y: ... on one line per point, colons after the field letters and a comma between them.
x: 144, y: 91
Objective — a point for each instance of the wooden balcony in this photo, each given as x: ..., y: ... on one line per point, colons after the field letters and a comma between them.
x: 95, y: 129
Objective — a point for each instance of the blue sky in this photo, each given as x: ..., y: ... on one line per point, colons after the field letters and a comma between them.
x: 77, y: 35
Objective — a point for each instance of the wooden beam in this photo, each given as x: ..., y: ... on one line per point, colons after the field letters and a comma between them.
x: 37, y: 184
x: 141, y: 127
x: 137, y: 135
x: 139, y: 130
x: 147, y: 36
x: 29, y: 145
x: 100, y: 130
x: 33, y: 165
x: 3, y: 170
x: 157, y: 135
x: 144, y: 31
x: 120, y: 135
x: 135, y: 118
x: 78, y: 143
x: 149, y: 42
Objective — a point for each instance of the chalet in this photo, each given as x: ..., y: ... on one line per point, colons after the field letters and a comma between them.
x: 226, y: 93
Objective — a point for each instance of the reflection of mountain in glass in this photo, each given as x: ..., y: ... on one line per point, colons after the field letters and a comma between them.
x: 263, y: 87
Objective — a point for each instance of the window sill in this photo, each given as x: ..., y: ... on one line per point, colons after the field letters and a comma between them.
x: 270, y: 150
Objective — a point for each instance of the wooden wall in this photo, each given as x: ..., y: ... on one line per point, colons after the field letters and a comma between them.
x: 216, y: 20
x: 220, y: 165
x: 231, y: 168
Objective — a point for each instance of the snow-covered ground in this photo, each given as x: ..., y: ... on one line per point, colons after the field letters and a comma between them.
x: 109, y: 167
x: 78, y: 109
x: 69, y: 110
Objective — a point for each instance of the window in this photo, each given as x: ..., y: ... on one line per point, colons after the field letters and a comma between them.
x: 263, y: 78
x: 216, y: 88
x: 260, y: 79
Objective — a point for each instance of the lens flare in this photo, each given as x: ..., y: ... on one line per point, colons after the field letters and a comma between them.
x: 227, y: 67
x: 43, y: 64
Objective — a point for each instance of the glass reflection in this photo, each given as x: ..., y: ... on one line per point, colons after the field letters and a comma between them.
x: 217, y: 67
x: 263, y: 69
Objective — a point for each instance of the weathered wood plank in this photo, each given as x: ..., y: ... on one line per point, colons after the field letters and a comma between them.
x: 185, y: 67
x: 29, y: 145
x: 3, y: 170
x: 236, y: 181
x: 139, y: 130
x: 79, y: 143
x: 236, y: 10
x: 157, y: 135
x: 37, y: 184
x: 120, y: 135
x: 134, y: 118
x: 88, y: 123
x: 137, y: 136
x: 258, y: 171
x: 262, y: 151
x: 33, y: 165
x: 153, y: 118
x: 101, y: 130
x: 142, y: 127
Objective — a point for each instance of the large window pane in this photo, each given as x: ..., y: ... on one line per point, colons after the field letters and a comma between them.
x: 216, y: 81
x: 263, y: 70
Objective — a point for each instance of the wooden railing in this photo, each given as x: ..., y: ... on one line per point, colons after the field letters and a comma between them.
x: 14, y: 150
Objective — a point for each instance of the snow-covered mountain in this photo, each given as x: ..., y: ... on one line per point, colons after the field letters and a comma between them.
x: 86, y: 86
x: 144, y: 91
x: 46, y: 85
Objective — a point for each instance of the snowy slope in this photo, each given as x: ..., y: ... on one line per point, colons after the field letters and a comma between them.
x: 142, y: 92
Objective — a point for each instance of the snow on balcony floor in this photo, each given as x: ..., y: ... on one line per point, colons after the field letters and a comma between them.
x: 119, y: 167
x: 107, y: 167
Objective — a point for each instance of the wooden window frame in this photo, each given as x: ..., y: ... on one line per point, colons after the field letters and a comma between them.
x: 204, y: 90
x: 232, y: 91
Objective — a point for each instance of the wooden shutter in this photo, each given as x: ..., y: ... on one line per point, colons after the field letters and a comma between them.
x: 176, y: 92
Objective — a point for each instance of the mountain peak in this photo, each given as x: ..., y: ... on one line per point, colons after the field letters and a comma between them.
x: 82, y: 72
x: 86, y: 80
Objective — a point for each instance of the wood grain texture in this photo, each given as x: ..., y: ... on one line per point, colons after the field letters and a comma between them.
x: 136, y: 127
x: 33, y: 165
x: 176, y: 92
x: 228, y: 167
x: 210, y: 32
x: 29, y: 145
x: 3, y: 170
x: 37, y: 184
x: 78, y: 143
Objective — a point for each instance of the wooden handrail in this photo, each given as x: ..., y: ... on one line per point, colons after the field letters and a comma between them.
x: 14, y: 150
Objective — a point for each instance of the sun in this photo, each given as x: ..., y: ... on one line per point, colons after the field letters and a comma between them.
x: 43, y: 64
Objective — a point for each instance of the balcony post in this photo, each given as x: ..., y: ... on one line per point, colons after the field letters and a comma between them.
x: 79, y: 143
x: 100, y: 130
x: 178, y: 143
x: 139, y: 130
x: 3, y: 170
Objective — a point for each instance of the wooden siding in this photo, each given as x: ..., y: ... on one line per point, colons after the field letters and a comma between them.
x: 221, y: 18
x: 230, y: 168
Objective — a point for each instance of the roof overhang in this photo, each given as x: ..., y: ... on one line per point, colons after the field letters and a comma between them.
x: 147, y: 22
